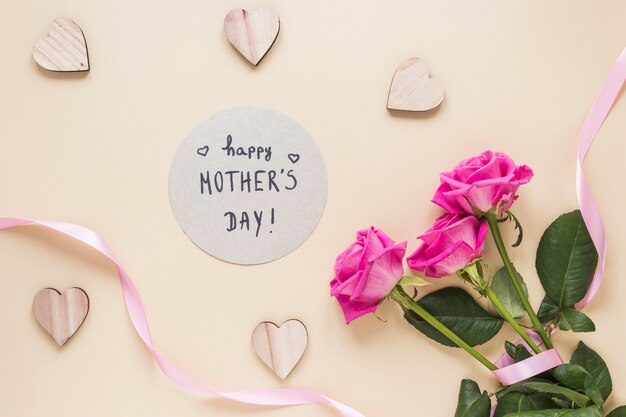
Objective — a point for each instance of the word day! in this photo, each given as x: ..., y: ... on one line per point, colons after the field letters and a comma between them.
x: 246, y: 219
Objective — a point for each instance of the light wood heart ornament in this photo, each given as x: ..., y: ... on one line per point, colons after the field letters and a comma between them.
x: 412, y: 89
x: 280, y: 347
x: 252, y: 32
x: 61, y: 314
x: 64, y: 49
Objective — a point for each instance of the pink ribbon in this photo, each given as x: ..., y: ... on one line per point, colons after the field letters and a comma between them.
x: 515, y: 372
x: 137, y: 314
x: 532, y: 366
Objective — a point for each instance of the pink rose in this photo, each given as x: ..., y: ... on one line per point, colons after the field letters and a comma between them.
x: 366, y: 272
x: 452, y: 243
x: 481, y: 183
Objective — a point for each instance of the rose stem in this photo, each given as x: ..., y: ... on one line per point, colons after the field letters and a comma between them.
x: 406, y: 302
x: 497, y: 237
x: 510, y: 319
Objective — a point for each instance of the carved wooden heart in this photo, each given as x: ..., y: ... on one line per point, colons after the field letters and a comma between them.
x: 64, y: 49
x: 252, y: 32
x: 61, y: 314
x: 412, y: 89
x: 280, y: 348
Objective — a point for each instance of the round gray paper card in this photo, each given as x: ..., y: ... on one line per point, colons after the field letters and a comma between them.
x: 248, y: 185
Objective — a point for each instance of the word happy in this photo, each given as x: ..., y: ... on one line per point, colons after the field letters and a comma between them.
x: 251, y: 152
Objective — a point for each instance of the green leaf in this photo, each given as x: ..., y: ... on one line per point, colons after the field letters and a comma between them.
x: 458, y: 311
x: 571, y: 319
x: 593, y: 363
x: 516, y: 352
x: 510, y: 348
x: 548, y: 311
x: 562, y: 403
x: 414, y: 281
x: 503, y: 287
x: 592, y: 391
x: 517, y: 402
x: 579, y: 412
x: 472, y: 403
x: 574, y: 376
x: 566, y: 260
x: 618, y: 412
x: 577, y: 377
x: 563, y: 392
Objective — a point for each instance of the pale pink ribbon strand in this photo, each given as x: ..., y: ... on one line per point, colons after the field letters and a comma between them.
x: 532, y: 366
x: 137, y: 314
x: 515, y: 372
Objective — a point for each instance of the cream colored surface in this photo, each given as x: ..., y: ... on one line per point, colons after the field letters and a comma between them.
x: 95, y: 149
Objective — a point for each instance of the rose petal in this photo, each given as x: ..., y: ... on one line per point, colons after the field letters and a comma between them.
x: 353, y: 310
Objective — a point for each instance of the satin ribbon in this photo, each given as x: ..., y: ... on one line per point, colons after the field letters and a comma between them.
x: 137, y: 314
x: 532, y: 366
x: 516, y: 372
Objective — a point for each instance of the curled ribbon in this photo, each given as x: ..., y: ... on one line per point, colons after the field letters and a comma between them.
x: 137, y: 314
x: 511, y: 372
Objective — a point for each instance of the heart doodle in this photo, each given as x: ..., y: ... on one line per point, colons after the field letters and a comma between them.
x: 252, y: 32
x: 280, y: 347
x: 293, y: 157
x: 203, y: 151
x: 412, y: 89
x: 64, y: 49
x: 61, y: 314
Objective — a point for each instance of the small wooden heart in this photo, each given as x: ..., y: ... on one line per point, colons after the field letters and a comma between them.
x: 252, y: 32
x: 280, y: 347
x: 64, y: 49
x: 412, y: 89
x: 61, y: 314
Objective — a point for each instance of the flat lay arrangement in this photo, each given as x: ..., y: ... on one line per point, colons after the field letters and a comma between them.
x: 239, y: 214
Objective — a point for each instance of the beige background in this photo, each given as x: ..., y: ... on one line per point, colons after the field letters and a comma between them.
x: 95, y: 150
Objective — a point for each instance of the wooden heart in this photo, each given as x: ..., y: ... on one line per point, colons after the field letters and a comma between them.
x: 61, y: 314
x: 64, y: 49
x: 412, y: 89
x: 280, y: 347
x: 252, y: 32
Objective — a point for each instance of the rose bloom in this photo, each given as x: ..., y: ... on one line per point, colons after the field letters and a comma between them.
x: 452, y: 243
x: 366, y: 272
x: 482, y: 183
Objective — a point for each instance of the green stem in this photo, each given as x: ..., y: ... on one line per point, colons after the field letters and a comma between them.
x: 510, y: 319
x: 406, y: 302
x: 497, y: 237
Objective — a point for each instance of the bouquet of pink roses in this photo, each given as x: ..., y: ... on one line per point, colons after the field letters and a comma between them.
x: 477, y: 196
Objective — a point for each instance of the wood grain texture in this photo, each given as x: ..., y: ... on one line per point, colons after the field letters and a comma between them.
x: 252, y: 32
x: 280, y: 347
x: 412, y: 89
x: 64, y: 49
x: 61, y: 314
